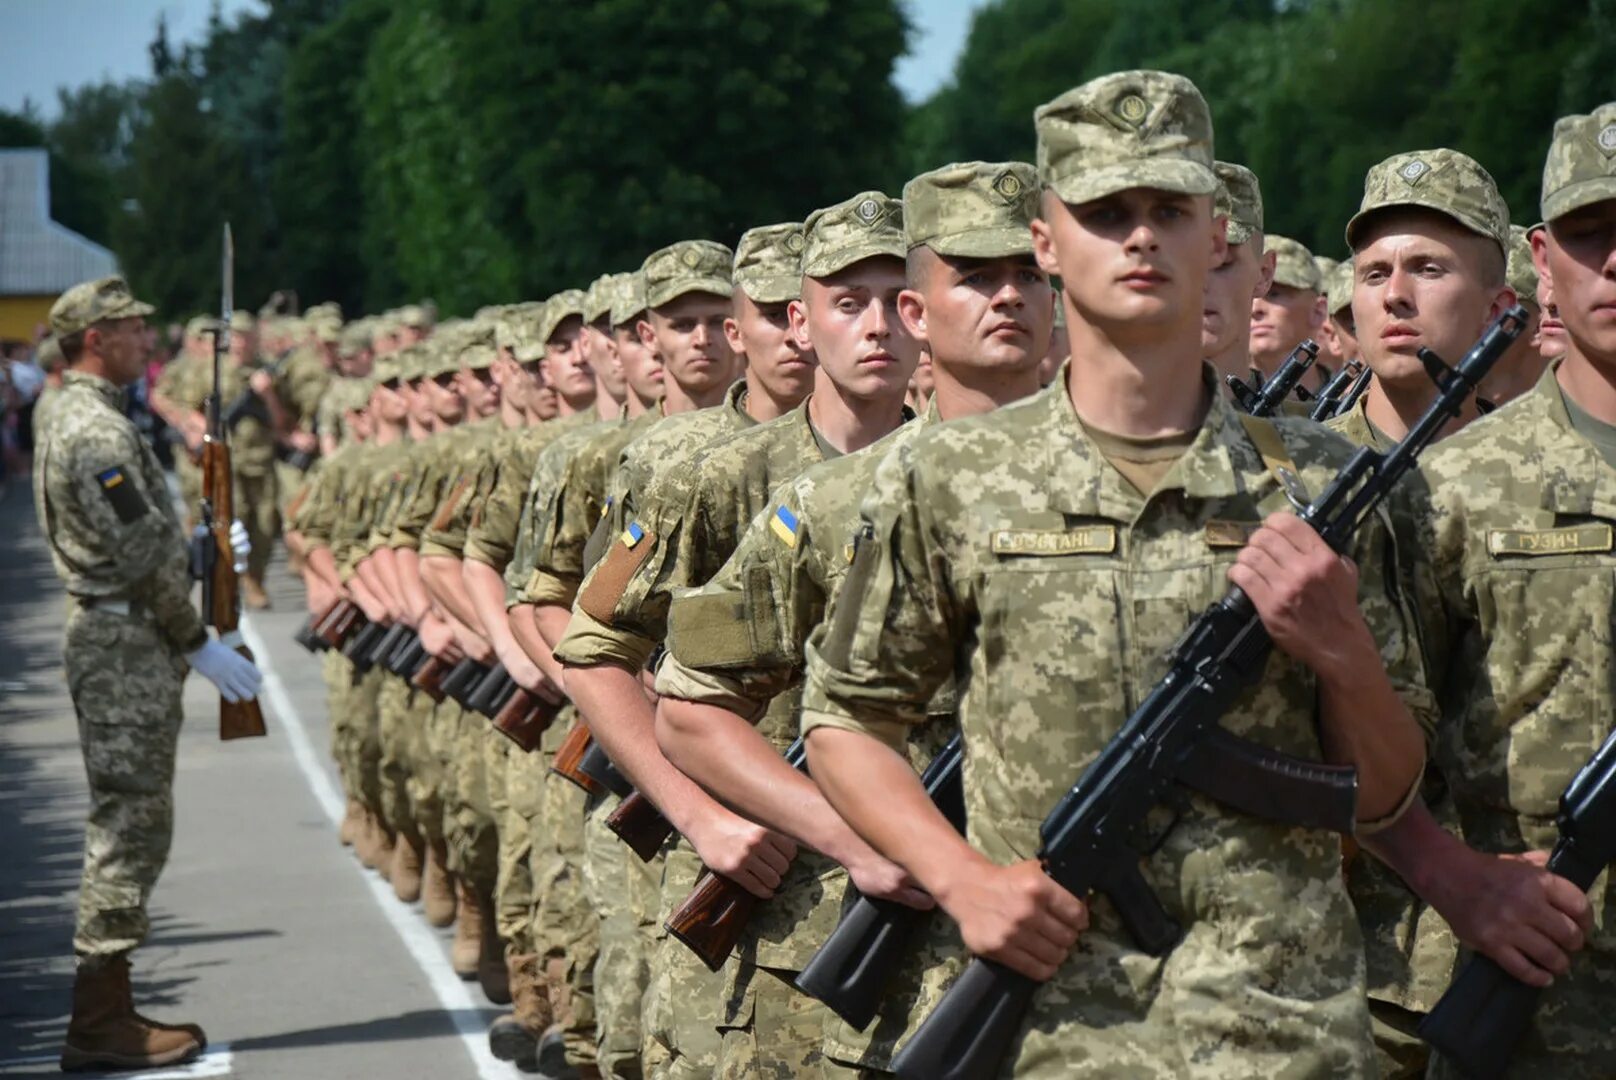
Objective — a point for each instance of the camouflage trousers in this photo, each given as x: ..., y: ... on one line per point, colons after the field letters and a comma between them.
x: 288, y: 480
x: 622, y: 970
x: 125, y: 681
x: 189, y: 475
x: 468, y: 822
x: 514, y: 896
x: 399, y: 709
x: 566, y: 931
x: 772, y: 1029
x: 364, y: 744
x: 428, y: 782
x: 339, y: 675
x: 257, y: 508
x: 685, y: 1001
x: 1402, y: 1054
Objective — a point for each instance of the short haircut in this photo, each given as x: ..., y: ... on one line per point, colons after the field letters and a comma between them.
x: 1488, y: 255
x: 72, y: 347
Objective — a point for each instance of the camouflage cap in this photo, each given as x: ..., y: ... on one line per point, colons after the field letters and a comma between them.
x: 1294, y: 263
x: 1519, y: 272
x: 686, y: 267
x: 355, y: 336
x: 598, y: 299
x: 385, y: 369
x: 242, y: 322
x: 1130, y: 129
x: 560, y: 307
x: 477, y: 356
x: 1239, y: 199
x: 200, y: 326
x: 1324, y: 264
x: 836, y: 237
x: 1581, y: 166
x: 1442, y: 180
x: 629, y: 302
x: 90, y: 302
x: 328, y: 332
x: 330, y: 310
x: 48, y: 355
x: 414, y: 316
x: 1338, y: 287
x: 768, y: 263
x: 973, y: 209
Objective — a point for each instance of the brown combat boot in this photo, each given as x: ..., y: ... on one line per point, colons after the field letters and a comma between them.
x: 366, y: 839
x: 253, y: 596
x: 437, y: 886
x: 352, y: 823
x: 468, y: 940
x: 492, y: 975
x: 386, y: 840
x: 514, y: 1037
x: 106, y: 1032
x: 406, y: 872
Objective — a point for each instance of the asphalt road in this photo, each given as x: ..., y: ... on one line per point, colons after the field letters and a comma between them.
x: 297, y: 961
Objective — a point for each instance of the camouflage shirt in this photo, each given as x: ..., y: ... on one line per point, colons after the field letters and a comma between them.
x: 473, y: 479
x: 491, y: 537
x: 106, y: 512
x: 538, y: 505
x: 1009, y: 554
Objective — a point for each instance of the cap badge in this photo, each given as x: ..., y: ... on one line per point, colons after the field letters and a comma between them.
x: 1414, y: 170
x: 793, y: 243
x: 867, y: 211
x: 1133, y: 109
x: 690, y: 258
x: 1607, y: 139
x: 1008, y: 185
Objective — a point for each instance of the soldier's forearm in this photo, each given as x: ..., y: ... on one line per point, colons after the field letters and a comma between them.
x: 408, y: 562
x: 442, y: 577
x: 319, y: 559
x: 387, y: 571
x: 486, y: 591
x: 366, y: 572
x: 1364, y: 723
x: 525, y: 629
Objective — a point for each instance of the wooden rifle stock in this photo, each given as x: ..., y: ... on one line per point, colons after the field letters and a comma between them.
x: 712, y: 918
x: 525, y: 718
x: 339, y: 621
x: 639, y: 824
x: 429, y: 679
x: 570, y: 753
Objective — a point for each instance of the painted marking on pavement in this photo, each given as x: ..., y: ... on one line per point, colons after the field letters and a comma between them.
x: 419, y: 939
x: 215, y: 1061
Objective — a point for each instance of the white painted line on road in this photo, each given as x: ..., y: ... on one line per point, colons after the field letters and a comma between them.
x: 419, y: 939
x: 215, y: 1061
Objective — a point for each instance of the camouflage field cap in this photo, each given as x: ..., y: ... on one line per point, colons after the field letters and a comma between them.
x: 1519, y: 272
x: 768, y: 263
x: 48, y: 355
x: 1130, y: 129
x: 598, y: 299
x: 1325, y: 266
x: 242, y: 322
x: 200, y: 326
x: 836, y: 237
x: 1239, y: 199
x: 414, y: 316
x: 1581, y: 166
x: 1294, y: 264
x: 330, y: 310
x: 90, y: 302
x: 1338, y: 287
x: 973, y: 209
x: 629, y: 302
x: 477, y: 356
x: 386, y: 370
x: 560, y: 307
x: 1443, y: 180
x: 355, y: 336
x: 686, y: 267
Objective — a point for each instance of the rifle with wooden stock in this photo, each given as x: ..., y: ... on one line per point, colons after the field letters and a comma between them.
x: 428, y: 678
x: 524, y: 719
x: 339, y: 621
x: 213, y: 556
x: 570, y: 753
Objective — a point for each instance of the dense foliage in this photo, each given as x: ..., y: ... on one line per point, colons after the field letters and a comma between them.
x: 477, y: 151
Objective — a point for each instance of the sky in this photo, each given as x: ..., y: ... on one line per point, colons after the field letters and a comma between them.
x: 45, y: 44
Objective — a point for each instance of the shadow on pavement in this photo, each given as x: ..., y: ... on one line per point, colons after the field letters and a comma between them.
x: 418, y: 1024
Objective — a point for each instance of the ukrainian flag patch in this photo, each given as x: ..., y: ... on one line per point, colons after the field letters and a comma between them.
x: 633, y: 534
x: 784, y: 524
x: 111, y: 478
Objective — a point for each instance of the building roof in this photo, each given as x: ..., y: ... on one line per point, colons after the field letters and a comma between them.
x: 38, y: 257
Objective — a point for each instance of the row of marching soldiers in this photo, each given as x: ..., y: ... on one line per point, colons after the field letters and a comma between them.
x: 577, y: 570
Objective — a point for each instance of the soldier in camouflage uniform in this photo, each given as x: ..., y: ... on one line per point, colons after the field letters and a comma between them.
x: 1243, y: 277
x: 850, y: 261
x: 181, y: 383
x: 131, y: 631
x: 984, y: 308
x: 302, y: 381
x: 1518, y: 544
x: 1522, y: 366
x: 1338, y: 327
x: 1290, y: 311
x: 1096, y: 513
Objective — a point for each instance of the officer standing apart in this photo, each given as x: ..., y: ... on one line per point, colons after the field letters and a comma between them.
x: 117, y: 545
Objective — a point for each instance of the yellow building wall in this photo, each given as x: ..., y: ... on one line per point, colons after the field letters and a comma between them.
x: 20, y: 314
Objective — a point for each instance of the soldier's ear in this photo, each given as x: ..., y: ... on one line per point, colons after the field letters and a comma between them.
x: 912, y: 310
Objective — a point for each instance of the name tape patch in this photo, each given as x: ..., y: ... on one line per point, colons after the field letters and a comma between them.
x: 1230, y: 534
x: 1087, y: 540
x: 1572, y: 540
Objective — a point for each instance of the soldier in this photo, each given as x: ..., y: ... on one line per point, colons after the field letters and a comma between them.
x: 1339, y: 327
x: 1428, y: 249
x: 984, y: 308
x: 1244, y: 276
x: 1291, y: 311
x: 1551, y: 334
x: 996, y: 542
x: 131, y: 632
x: 186, y: 379
x: 1522, y: 366
x: 1516, y: 536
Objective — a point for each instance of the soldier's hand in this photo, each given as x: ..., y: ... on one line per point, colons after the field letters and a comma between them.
x: 260, y: 381
x: 753, y: 857
x: 1511, y: 909
x: 1306, y: 595
x: 882, y: 879
x: 438, y: 639
x: 1016, y: 915
x: 303, y: 441
x: 237, y: 677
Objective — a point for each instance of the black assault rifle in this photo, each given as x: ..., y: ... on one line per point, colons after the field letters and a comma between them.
x: 1264, y: 400
x: 1223, y: 653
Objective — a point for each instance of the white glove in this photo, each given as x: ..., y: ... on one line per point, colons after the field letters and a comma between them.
x: 240, y: 544
x: 236, y: 676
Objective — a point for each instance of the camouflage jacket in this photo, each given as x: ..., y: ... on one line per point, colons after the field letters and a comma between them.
x: 492, y: 533
x: 538, y: 506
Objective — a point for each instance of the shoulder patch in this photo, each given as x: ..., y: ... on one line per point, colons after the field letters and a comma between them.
x: 122, y: 495
x: 608, y: 581
x: 784, y: 524
x: 1574, y: 540
x: 1084, y: 540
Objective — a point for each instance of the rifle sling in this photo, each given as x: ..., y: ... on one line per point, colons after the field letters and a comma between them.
x: 1269, y: 784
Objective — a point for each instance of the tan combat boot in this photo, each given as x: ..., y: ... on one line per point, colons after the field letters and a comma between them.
x: 106, y: 1032
x: 437, y: 886
x: 367, y: 838
x: 406, y: 872
x: 253, y: 595
x: 386, y: 840
x: 352, y: 823
x: 514, y: 1037
x: 467, y: 950
x: 492, y: 975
